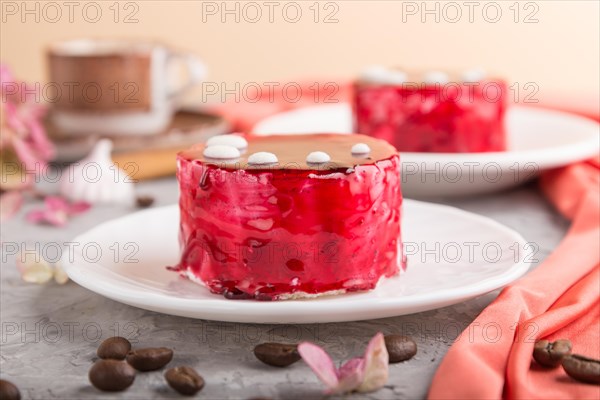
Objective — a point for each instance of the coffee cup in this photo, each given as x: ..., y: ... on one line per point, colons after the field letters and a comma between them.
x: 117, y: 87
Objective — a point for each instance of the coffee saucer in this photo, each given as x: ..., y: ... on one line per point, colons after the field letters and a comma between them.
x: 147, y: 156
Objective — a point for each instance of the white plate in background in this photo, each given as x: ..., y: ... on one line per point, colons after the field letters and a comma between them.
x: 147, y: 243
x: 539, y: 139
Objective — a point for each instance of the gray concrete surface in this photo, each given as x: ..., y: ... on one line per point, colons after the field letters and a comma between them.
x: 50, y: 333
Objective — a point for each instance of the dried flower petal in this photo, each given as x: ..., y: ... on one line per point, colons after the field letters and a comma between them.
x: 56, y: 218
x: 78, y: 207
x: 376, y: 365
x: 6, y: 75
x: 56, y: 203
x: 365, y: 374
x: 27, y: 155
x: 33, y: 268
x: 350, y: 374
x: 320, y: 362
x: 39, y: 140
x: 21, y: 122
x: 35, y: 216
x: 60, y: 276
x: 56, y: 211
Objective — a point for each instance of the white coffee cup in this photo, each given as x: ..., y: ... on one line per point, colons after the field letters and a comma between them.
x: 117, y: 87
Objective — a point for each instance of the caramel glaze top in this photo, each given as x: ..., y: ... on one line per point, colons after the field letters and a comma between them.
x: 291, y: 152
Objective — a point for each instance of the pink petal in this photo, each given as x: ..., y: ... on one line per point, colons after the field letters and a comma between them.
x: 35, y: 216
x: 10, y: 203
x: 56, y: 218
x: 53, y: 213
x: 26, y: 155
x: 56, y: 203
x: 351, y: 366
x: 13, y: 118
x: 39, y: 139
x: 6, y: 75
x: 56, y: 211
x: 320, y: 362
x: 376, y: 361
x: 351, y: 375
x: 78, y: 207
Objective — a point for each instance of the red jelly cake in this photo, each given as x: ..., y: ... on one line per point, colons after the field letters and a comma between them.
x: 286, y: 217
x: 432, y: 112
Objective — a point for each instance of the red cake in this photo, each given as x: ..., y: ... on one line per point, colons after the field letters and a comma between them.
x: 285, y: 217
x: 433, y: 112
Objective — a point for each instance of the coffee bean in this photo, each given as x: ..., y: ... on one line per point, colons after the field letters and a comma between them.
x: 115, y: 347
x: 144, y: 201
x: 8, y: 391
x: 277, y: 354
x: 149, y: 359
x: 550, y: 354
x: 400, y: 348
x: 582, y: 368
x: 184, y: 380
x: 111, y: 375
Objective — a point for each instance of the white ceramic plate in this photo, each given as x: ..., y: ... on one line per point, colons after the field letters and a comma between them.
x: 135, y: 274
x: 539, y: 140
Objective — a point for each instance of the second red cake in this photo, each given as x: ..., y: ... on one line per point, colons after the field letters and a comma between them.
x: 435, y: 112
x: 290, y: 216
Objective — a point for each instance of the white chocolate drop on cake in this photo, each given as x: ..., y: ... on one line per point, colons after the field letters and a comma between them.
x: 432, y: 77
x: 361, y: 148
x: 379, y: 74
x: 317, y: 157
x: 233, y: 140
x: 262, y: 157
x: 392, y: 76
x: 221, y: 152
x: 473, y: 75
x: 291, y: 152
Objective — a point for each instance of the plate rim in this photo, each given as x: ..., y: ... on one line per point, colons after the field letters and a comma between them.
x: 294, y: 309
x: 545, y: 158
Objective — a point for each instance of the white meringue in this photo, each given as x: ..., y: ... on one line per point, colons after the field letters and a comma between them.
x: 379, y: 74
x: 228, y: 140
x: 435, y: 77
x: 96, y: 179
x: 221, y: 151
x: 373, y: 72
x: 473, y: 75
x: 262, y: 157
x: 317, y: 157
x: 361, y: 148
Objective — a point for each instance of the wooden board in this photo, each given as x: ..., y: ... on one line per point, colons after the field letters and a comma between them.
x: 144, y: 156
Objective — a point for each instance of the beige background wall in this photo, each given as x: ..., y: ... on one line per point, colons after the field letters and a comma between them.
x: 559, y: 52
